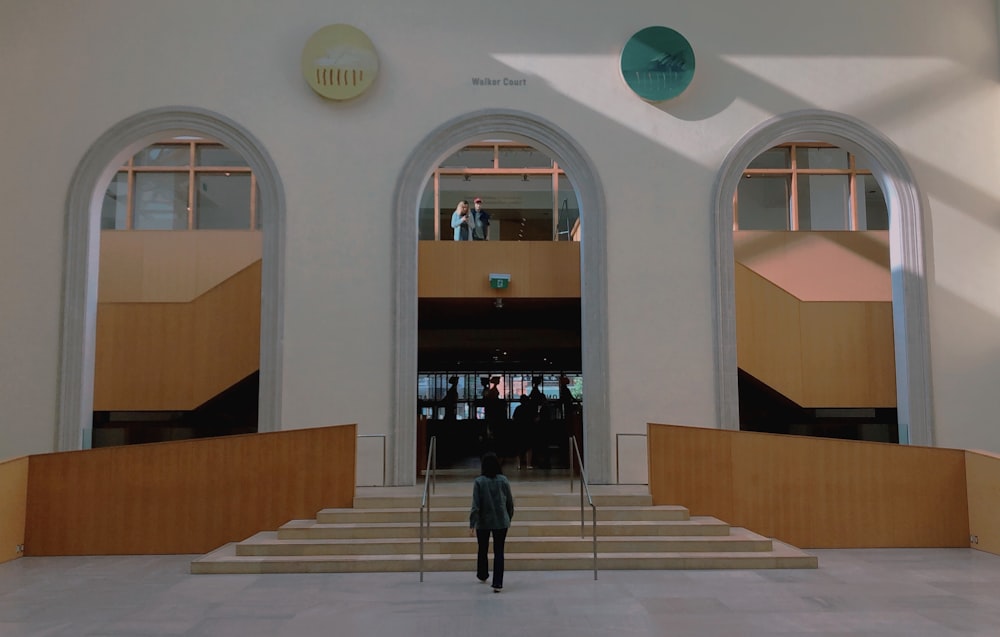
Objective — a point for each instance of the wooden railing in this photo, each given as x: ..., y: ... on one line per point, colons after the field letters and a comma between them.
x: 13, y: 505
x: 461, y: 269
x: 184, y: 497
x: 821, y: 493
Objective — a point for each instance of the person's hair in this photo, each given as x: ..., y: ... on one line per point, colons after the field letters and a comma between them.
x: 491, y: 465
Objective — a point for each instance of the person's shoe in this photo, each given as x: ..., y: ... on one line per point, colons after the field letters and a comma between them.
x: 497, y: 590
x: 482, y: 580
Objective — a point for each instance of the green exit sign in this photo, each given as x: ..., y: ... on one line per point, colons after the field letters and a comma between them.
x: 499, y: 281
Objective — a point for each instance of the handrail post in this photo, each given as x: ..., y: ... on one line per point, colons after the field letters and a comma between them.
x: 430, y: 479
x: 584, y: 486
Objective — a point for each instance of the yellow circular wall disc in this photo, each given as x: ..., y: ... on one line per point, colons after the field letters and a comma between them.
x: 339, y: 62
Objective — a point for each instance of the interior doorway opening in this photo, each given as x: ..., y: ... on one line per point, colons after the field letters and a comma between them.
x: 499, y: 322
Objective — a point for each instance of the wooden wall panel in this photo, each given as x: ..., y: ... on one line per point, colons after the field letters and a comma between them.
x: 703, y: 485
x: 176, y: 266
x: 175, y: 356
x: 768, y: 333
x: 819, y: 354
x: 815, y: 492
x: 13, y: 506
x: 982, y: 472
x: 184, y: 497
x: 848, y: 356
x: 460, y: 269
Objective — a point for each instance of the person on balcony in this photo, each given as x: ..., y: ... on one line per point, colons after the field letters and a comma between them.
x: 481, y: 221
x: 461, y: 223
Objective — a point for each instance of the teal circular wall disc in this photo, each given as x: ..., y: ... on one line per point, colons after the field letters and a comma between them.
x: 657, y: 63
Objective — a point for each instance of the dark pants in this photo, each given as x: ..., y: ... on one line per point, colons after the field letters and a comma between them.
x: 482, y: 564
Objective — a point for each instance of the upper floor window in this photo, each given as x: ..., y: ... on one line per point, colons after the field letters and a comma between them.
x: 182, y: 184
x: 810, y: 186
x: 527, y: 195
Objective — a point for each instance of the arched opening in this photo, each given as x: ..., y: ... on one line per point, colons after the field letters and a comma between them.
x: 412, y: 184
x: 499, y: 364
x: 909, y: 300
x: 83, y: 222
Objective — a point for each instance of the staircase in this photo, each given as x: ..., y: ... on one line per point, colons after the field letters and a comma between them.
x: 381, y: 534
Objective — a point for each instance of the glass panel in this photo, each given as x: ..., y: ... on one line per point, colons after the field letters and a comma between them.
x: 222, y: 202
x: 861, y: 162
x: 569, y: 212
x: 774, y: 158
x: 873, y: 213
x: 763, y: 203
x: 425, y: 214
x: 470, y: 158
x: 217, y: 155
x: 823, y: 202
x: 821, y: 158
x: 161, y: 201
x: 114, y: 210
x: 523, y: 158
x: 164, y: 155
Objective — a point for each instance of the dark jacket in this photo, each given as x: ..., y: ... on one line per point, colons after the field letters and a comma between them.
x: 492, y: 503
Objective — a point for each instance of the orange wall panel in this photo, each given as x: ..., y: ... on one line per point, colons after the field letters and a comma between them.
x: 184, y: 497
x: 983, y: 477
x: 461, y: 269
x: 814, y: 492
x: 13, y: 506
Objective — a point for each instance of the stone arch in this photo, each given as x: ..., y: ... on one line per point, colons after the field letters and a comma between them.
x: 417, y: 169
x: 82, y: 248
x: 909, y: 287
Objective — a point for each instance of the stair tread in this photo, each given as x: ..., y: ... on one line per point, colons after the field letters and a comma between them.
x: 230, y: 555
x: 693, y: 521
x: 736, y: 534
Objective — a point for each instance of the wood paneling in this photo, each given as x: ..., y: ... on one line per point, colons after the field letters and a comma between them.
x: 768, y: 334
x: 818, y: 354
x: 175, y: 266
x: 982, y: 472
x: 185, y: 497
x: 13, y: 506
x: 814, y: 492
x: 460, y: 269
x: 848, y: 355
x: 175, y: 356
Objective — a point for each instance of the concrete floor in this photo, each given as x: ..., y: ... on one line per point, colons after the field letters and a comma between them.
x: 911, y: 592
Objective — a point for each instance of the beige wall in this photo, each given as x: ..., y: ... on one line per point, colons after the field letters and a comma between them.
x: 339, y: 163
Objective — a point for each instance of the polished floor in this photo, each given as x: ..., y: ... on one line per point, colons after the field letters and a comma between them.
x: 875, y: 592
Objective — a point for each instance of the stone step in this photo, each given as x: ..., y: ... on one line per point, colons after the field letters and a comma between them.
x: 310, y: 529
x: 452, y: 500
x: 225, y: 560
x: 523, y: 513
x: 739, y: 540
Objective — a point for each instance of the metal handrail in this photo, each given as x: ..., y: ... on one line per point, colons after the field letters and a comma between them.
x: 430, y: 485
x: 383, y: 437
x: 574, y: 449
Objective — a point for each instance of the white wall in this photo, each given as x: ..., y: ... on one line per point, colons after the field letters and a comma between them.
x: 923, y: 72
